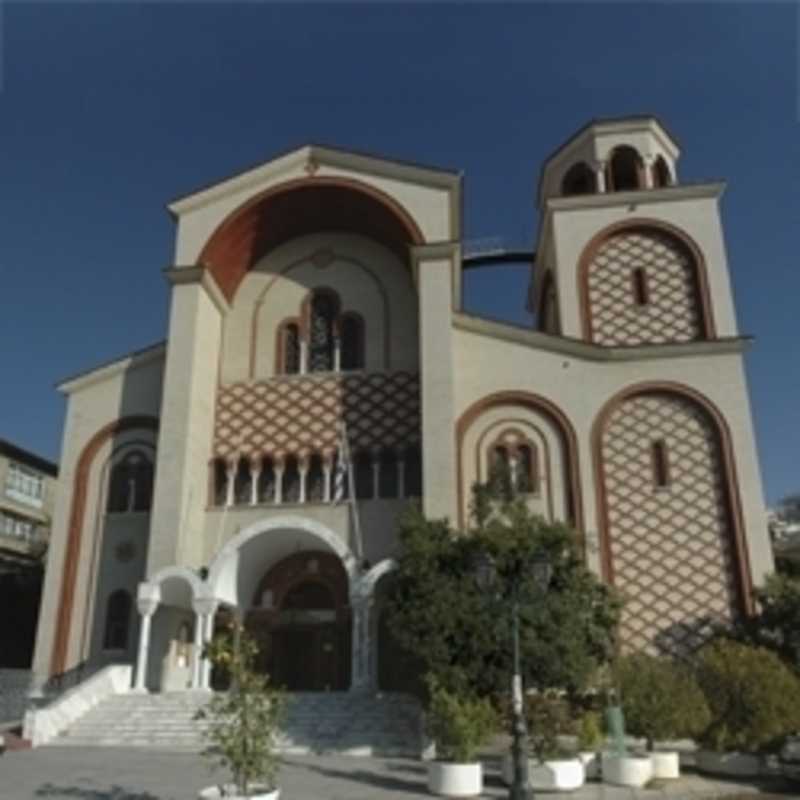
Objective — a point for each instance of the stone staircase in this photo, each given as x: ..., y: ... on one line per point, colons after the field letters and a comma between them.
x: 317, y: 722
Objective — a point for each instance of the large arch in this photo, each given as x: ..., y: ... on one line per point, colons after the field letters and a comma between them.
x: 556, y: 417
x: 232, y: 577
x: 69, y: 569
x: 297, y: 207
x: 720, y: 450
x: 590, y: 251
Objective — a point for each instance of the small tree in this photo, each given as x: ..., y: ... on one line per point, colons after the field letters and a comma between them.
x: 660, y: 699
x: 462, y: 634
x: 245, y: 719
x: 459, y: 725
x: 754, y: 698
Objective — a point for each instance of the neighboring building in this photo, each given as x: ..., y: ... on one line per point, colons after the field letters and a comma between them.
x: 27, y: 496
x: 325, y: 287
x: 785, y: 534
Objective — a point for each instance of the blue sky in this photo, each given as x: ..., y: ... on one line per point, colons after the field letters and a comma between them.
x: 109, y: 111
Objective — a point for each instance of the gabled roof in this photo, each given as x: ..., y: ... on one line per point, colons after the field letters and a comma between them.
x: 312, y: 155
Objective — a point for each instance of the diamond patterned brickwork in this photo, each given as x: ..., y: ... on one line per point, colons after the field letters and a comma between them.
x: 671, y: 548
x: 673, y: 312
x: 301, y: 414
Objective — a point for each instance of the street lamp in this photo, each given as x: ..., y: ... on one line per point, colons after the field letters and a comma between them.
x: 540, y: 570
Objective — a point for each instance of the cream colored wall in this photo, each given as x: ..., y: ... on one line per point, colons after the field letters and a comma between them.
x: 573, y: 228
x: 93, y: 403
x: 368, y: 278
x: 485, y: 365
x: 431, y: 207
x: 187, y: 421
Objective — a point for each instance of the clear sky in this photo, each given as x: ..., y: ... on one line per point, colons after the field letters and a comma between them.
x: 109, y: 111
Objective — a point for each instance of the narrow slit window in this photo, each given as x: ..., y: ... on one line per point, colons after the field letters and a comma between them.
x: 660, y: 464
x: 641, y: 291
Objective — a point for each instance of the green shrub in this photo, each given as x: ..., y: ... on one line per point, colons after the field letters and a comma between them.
x: 753, y: 696
x: 660, y: 699
x: 590, y: 732
x: 548, y: 716
x: 458, y: 724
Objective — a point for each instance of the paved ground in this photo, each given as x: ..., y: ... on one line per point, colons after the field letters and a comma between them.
x: 116, y: 774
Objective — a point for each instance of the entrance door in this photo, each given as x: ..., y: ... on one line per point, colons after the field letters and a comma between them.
x: 306, y: 657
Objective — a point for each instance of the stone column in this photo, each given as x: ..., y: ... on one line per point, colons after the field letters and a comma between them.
x: 255, y: 475
x: 600, y: 176
x: 376, y: 473
x: 278, y: 482
x: 647, y: 169
x: 401, y: 478
x: 303, y: 356
x: 327, y: 468
x: 197, y: 648
x: 206, y: 608
x: 147, y: 603
x: 231, y: 483
x: 337, y: 354
x: 302, y: 468
x: 361, y: 677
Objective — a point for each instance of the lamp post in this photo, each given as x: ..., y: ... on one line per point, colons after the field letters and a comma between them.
x: 540, y: 570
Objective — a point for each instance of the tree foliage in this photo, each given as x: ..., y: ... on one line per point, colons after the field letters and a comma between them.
x: 245, y: 719
x: 660, y: 698
x: 754, y: 698
x: 462, y: 633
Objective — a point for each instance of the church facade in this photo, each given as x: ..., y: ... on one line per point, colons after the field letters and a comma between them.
x: 320, y: 293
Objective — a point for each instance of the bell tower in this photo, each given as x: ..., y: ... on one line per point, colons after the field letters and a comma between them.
x: 627, y: 255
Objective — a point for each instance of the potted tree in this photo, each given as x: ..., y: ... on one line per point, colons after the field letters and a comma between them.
x: 754, y: 699
x: 458, y: 726
x: 661, y: 700
x: 590, y: 743
x: 619, y: 767
x: 553, y: 767
x: 242, y: 722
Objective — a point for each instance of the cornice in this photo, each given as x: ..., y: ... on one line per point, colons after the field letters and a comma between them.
x: 586, y: 351
x: 178, y: 276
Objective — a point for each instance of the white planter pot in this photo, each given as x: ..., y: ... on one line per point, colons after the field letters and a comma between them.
x: 666, y: 764
x: 738, y: 765
x: 257, y: 793
x: 560, y: 775
x: 455, y: 780
x: 591, y: 764
x: 627, y: 770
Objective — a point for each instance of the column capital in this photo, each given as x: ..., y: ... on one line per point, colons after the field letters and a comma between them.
x: 205, y: 605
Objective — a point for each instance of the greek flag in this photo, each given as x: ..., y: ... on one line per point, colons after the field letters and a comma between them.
x: 342, y: 475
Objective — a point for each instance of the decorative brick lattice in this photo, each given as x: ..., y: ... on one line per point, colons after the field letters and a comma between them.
x: 672, y: 312
x: 672, y: 547
x: 299, y: 415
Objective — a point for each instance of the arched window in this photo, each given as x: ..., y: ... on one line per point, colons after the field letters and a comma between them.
x: 220, y: 481
x: 527, y: 469
x: 363, y: 475
x: 243, y: 483
x: 625, y: 170
x: 351, y: 328
x: 289, y: 349
x: 266, y: 481
x: 412, y: 477
x: 118, y: 617
x: 315, y: 480
x: 323, y: 311
x: 130, y: 486
x: 641, y: 292
x: 579, y: 179
x: 660, y: 460
x: 661, y: 176
x: 388, y: 479
x: 291, y: 480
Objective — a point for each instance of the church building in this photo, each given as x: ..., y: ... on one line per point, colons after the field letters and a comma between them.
x: 320, y: 294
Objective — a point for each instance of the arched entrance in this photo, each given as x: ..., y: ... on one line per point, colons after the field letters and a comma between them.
x: 301, y: 619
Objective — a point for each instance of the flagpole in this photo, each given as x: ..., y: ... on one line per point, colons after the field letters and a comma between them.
x: 356, y: 518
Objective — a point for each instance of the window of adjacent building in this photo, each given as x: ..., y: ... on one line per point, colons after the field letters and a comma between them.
x: 130, y: 486
x: 24, y: 485
x: 19, y: 528
x: 660, y: 460
x: 118, y: 616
